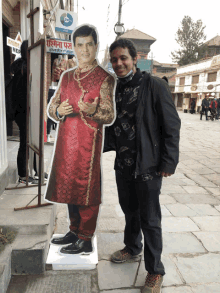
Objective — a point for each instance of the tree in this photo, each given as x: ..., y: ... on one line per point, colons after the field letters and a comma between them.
x: 190, y: 37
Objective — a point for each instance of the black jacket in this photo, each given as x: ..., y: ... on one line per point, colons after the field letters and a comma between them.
x: 19, y: 91
x: 157, y: 128
x: 205, y: 103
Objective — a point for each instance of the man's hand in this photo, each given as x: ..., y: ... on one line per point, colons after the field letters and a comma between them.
x: 65, y: 108
x: 164, y: 174
x: 89, y: 108
x: 57, y: 73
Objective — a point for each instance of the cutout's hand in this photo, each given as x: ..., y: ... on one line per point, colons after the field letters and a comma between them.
x: 57, y: 73
x: 89, y: 108
x: 65, y: 108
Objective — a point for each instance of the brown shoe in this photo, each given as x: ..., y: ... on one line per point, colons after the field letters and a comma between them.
x: 153, y: 284
x: 122, y: 256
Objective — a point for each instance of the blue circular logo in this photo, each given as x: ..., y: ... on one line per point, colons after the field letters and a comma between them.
x: 66, y: 19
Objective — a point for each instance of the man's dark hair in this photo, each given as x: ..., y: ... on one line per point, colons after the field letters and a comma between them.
x: 85, y: 31
x: 165, y: 78
x: 124, y: 43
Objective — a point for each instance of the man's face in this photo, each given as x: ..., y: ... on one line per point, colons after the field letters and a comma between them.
x: 85, y: 50
x: 122, y: 61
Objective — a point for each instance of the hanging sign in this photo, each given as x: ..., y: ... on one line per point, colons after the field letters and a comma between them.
x: 59, y: 46
x: 15, y: 45
x: 66, y: 21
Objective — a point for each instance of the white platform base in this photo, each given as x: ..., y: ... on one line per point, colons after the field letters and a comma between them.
x: 71, y: 261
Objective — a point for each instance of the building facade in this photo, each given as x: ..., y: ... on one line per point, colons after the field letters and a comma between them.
x: 13, y: 16
x: 197, y: 80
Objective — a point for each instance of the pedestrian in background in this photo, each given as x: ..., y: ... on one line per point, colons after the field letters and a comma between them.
x: 193, y: 104
x: 145, y: 136
x: 19, y: 97
x: 205, y: 107
x: 213, y: 108
x: 218, y: 108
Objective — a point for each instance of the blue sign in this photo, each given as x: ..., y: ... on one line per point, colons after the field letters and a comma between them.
x: 66, y: 19
x: 145, y: 65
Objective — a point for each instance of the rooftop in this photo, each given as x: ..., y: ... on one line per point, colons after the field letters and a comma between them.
x: 214, y: 41
x: 136, y: 34
x: 167, y: 65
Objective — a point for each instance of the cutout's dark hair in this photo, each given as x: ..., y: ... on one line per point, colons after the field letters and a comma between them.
x: 124, y: 43
x: 85, y: 31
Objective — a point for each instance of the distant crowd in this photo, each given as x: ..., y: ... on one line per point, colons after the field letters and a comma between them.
x: 211, y: 109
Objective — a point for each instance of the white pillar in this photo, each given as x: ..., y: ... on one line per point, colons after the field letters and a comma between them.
x: 25, y: 22
x: 3, y: 135
x: 176, y: 100
x: 38, y: 20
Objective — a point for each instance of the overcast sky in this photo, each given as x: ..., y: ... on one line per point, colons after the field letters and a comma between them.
x: 158, y: 18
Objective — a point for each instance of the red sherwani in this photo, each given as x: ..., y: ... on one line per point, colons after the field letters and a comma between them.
x: 75, y: 175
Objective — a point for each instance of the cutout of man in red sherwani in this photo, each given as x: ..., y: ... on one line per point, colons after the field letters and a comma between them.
x: 82, y: 103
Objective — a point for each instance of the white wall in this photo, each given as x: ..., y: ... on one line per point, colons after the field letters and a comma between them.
x: 203, y: 77
x: 3, y: 135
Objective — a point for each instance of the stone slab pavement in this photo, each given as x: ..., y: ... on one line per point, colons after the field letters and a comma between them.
x: 190, y: 202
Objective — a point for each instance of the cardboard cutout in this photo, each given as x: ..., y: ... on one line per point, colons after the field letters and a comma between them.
x: 82, y: 104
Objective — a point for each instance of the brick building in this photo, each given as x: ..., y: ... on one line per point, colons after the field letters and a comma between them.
x: 142, y: 42
x: 168, y: 70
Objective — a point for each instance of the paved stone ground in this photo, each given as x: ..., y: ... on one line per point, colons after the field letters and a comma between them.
x: 190, y: 202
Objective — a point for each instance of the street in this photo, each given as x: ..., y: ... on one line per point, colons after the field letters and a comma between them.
x: 190, y: 202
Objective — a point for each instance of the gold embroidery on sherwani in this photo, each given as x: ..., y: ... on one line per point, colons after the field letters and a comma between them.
x: 77, y: 72
x: 105, y: 109
x: 55, y: 103
x: 104, y: 113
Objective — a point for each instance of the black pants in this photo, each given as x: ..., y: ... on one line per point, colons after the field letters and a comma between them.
x: 206, y: 113
x: 20, y: 119
x: 218, y: 113
x: 50, y: 122
x: 139, y: 201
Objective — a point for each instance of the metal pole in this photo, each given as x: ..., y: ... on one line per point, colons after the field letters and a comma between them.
x: 119, y: 11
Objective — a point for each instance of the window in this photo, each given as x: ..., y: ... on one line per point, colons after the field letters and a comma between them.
x: 195, y: 79
x: 182, y: 80
x: 212, y: 76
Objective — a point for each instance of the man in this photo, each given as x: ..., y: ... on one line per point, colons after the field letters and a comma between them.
x: 205, y: 107
x: 193, y: 104
x: 213, y: 109
x: 145, y: 136
x: 83, y: 103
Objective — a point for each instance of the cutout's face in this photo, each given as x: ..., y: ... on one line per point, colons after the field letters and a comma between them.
x: 122, y: 62
x: 85, y: 50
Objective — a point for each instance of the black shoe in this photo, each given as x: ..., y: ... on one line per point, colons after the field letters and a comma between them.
x: 23, y: 180
x: 37, y: 177
x: 79, y: 247
x: 70, y: 237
